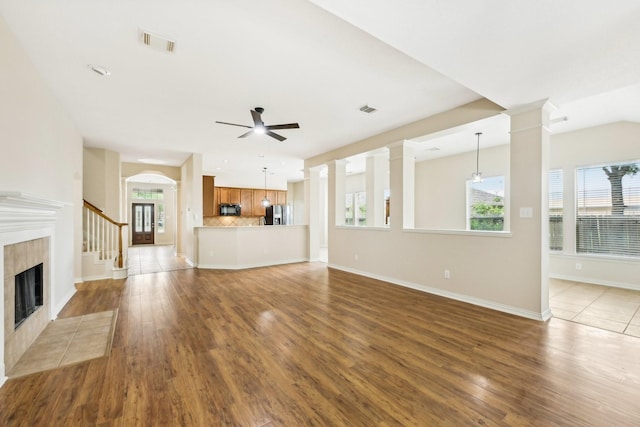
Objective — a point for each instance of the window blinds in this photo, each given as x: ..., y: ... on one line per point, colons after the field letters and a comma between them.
x: 556, y: 209
x: 608, y: 209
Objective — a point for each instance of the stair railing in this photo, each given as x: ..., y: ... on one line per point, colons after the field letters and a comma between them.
x: 102, y: 235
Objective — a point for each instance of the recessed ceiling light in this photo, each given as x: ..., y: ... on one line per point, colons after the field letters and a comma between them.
x: 98, y: 69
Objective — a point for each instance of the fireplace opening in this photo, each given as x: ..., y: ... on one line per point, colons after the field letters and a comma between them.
x: 28, y: 293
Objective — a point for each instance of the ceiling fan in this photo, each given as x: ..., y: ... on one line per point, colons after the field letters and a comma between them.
x: 260, y: 127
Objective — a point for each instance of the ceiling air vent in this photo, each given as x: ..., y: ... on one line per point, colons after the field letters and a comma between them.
x: 157, y: 42
x: 368, y: 109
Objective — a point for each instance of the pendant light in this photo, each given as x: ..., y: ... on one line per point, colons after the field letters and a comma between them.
x: 265, y: 201
x: 477, y: 175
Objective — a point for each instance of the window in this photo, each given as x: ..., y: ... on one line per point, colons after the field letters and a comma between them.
x: 147, y: 193
x: 355, y: 206
x: 161, y: 219
x: 556, y: 205
x: 608, y: 209
x: 485, y: 204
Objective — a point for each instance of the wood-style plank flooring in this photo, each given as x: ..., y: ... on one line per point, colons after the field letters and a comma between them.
x: 302, y: 345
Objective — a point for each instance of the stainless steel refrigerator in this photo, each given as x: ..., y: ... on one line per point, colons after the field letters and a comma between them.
x: 278, y: 215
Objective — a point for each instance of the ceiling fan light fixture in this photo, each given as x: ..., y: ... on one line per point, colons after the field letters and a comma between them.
x: 260, y: 128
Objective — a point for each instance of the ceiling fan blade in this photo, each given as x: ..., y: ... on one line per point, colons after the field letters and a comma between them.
x: 244, y: 135
x: 285, y: 126
x: 275, y: 135
x: 234, y: 124
x: 257, y: 120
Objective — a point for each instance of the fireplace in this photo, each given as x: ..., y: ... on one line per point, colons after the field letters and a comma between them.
x: 28, y: 293
x: 27, y: 228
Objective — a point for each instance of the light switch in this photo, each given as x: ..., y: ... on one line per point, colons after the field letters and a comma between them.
x: 526, y: 212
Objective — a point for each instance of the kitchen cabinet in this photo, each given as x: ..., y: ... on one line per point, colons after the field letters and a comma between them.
x: 208, y: 208
x: 258, y: 209
x: 224, y: 195
x: 246, y: 201
x: 234, y: 196
x: 216, y: 201
x: 250, y: 199
x: 258, y: 196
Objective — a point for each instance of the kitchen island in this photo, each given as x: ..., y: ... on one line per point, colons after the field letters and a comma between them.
x: 252, y: 246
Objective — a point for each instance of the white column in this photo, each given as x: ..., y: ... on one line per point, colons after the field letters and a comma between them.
x: 529, y: 170
x: 377, y: 168
x: 312, y: 210
x: 336, y: 191
x: 402, y: 185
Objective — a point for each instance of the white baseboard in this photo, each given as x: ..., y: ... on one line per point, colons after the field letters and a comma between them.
x: 593, y: 281
x: 3, y: 377
x: 252, y: 265
x: 544, y: 316
x: 58, y: 308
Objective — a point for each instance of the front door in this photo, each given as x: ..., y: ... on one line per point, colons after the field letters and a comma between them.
x: 143, y: 225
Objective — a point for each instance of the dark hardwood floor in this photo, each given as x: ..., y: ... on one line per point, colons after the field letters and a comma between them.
x: 300, y: 345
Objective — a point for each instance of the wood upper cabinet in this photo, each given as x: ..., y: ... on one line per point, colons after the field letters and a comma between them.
x: 208, y: 208
x: 224, y: 195
x: 246, y: 202
x: 216, y: 201
x: 258, y: 209
x: 250, y: 199
x: 234, y: 196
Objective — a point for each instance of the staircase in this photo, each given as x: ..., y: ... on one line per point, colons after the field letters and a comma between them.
x: 104, y: 251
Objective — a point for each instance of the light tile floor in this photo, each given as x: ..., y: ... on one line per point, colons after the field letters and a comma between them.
x: 603, y: 307
x: 154, y: 259
x: 67, y: 341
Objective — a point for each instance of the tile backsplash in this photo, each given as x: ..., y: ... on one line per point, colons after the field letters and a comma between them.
x: 232, y: 221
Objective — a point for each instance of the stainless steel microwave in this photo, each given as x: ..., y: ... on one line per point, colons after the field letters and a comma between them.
x: 229, y: 209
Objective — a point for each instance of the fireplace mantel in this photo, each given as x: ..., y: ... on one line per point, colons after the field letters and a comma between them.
x: 24, y: 218
x: 20, y: 211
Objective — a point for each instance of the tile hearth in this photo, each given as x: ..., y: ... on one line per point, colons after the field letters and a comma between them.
x: 68, y: 341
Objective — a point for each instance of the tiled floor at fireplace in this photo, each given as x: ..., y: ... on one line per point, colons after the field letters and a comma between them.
x: 613, y: 309
x: 67, y: 341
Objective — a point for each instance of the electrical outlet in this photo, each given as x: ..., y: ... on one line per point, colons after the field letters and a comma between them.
x: 356, y: 257
x: 447, y: 274
x: 578, y: 266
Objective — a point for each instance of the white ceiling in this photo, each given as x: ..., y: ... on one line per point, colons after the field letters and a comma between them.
x: 304, y: 64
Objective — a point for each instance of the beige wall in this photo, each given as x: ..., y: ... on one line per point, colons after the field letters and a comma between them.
x: 190, y: 206
x: 440, y: 191
x: 131, y: 169
x: 168, y: 237
x: 101, y: 184
x: 248, y: 247
x: 614, y: 142
x: 295, y: 198
x: 42, y: 156
x: 477, y: 261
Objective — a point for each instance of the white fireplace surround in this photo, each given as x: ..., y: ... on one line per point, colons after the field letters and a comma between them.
x: 24, y: 217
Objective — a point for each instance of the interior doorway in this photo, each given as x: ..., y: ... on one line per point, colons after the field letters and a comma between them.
x: 143, y: 224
